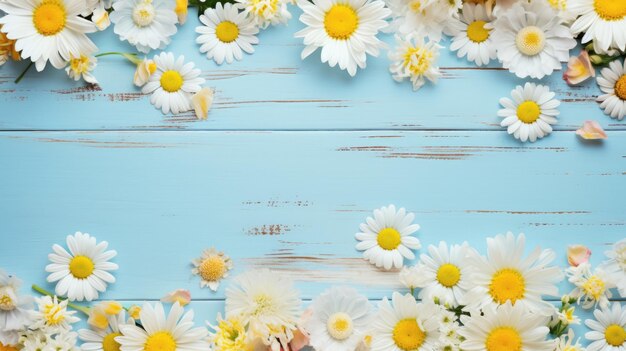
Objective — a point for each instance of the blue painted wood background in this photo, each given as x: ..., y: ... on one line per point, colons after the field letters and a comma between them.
x: 293, y: 157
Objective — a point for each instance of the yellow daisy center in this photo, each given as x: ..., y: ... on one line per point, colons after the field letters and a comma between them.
x: 4, y: 347
x: 80, y: 64
x: 161, y: 341
x: 144, y: 13
x: 528, y: 112
x: 620, y: 87
x: 407, y: 335
x: 417, y: 60
x: 610, y: 10
x: 53, y: 314
x: 507, y: 284
x: 504, y: 339
x: 341, y: 21
x: 339, y: 326
x: 212, y: 268
x: 448, y: 275
x: 416, y: 6
x: 49, y: 17
x: 81, y: 267
x: 171, y: 81
x: 264, y: 303
x: 109, y: 343
x: 389, y: 238
x: 227, y: 32
x: 6, y: 302
x: 594, y: 287
x: 615, y: 335
x: 530, y: 40
x: 477, y: 32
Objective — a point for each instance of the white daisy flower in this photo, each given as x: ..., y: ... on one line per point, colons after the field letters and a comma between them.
x: 608, y: 330
x: 64, y: 341
x: 507, y: 327
x: 211, y: 267
x: 616, y: 265
x: 531, y: 39
x: 145, y: 24
x: 416, y: 60
x: 531, y: 113
x: 427, y: 17
x: 340, y: 319
x: 226, y: 33
x: 411, y: 277
x: 97, y: 339
x: 405, y: 325
x: 52, y: 315
x: 470, y: 36
x: 612, y: 82
x: 84, y: 271
x: 386, y: 238
x: 568, y: 342
x: 344, y: 30
x: 506, y: 276
x: 82, y: 67
x: 15, y: 309
x: 47, y: 30
x: 173, y: 84
x: 266, y: 12
x: 603, y: 21
x: 593, y: 288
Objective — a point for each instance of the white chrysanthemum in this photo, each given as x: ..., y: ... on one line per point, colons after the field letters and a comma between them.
x: 145, y: 24
x: 15, y: 309
x: 344, y: 30
x: 173, y: 84
x: 531, y: 40
x: 593, y: 288
x: 426, y: 17
x: 97, y: 339
x: 603, y: 21
x: 470, y: 36
x: 616, y: 265
x: 82, y: 67
x: 405, y: 325
x: 52, y: 315
x: 174, y: 332
x: 568, y: 342
x: 84, y: 271
x: 507, y: 327
x: 211, y: 267
x: 386, y: 238
x: 47, y: 30
x: 266, y: 12
x: 531, y: 113
x: 416, y: 60
x: 612, y: 82
x: 608, y: 330
x: 226, y: 33
x: 506, y: 276
x: 340, y: 318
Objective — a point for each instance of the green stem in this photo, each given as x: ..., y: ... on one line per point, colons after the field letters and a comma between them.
x: 19, y: 78
x: 132, y: 57
x: 42, y: 291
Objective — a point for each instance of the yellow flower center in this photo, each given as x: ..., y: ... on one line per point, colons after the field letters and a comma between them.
x: 507, y: 284
x: 477, y: 32
x: 610, y: 10
x: 417, y: 60
x: 594, y: 287
x: 339, y: 326
x: 230, y: 335
x: 448, y: 275
x: 615, y: 335
x: 109, y: 343
x: 227, y: 31
x: 80, y: 64
x: 504, y: 339
x: 6, y: 301
x: 171, y: 81
x: 4, y: 347
x: 81, y: 267
x: 416, y: 6
x: 263, y: 304
x: 144, y: 13
x: 49, y: 17
x: 558, y: 4
x: 341, y: 21
x: 212, y: 268
x: 161, y: 341
x: 407, y: 335
x: 620, y: 87
x: 528, y: 112
x: 53, y: 314
x: 389, y: 239
x: 530, y: 40
x: 264, y: 8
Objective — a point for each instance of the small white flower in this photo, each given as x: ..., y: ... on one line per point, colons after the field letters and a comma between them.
x: 52, y: 315
x: 608, y: 330
x: 202, y: 102
x: 266, y: 12
x: 568, y: 342
x: 471, y: 37
x: 211, y: 267
x: 612, y: 82
x: 81, y: 67
x: 15, y: 309
x: 415, y: 59
x: 145, y: 69
x: 615, y: 266
x: 411, y: 277
x: 593, y: 288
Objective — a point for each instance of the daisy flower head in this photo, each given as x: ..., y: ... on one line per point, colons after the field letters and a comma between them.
x: 591, y: 287
x: 230, y: 335
x: 173, y: 83
x: 47, y: 30
x: 103, y: 339
x: 15, y: 309
x: 386, y: 238
x: 52, y: 315
x: 421, y: 16
x: 226, y: 33
x: 612, y: 82
x: 603, y: 21
x: 531, y: 112
x: 470, y: 36
x: 531, y: 39
x: 616, y: 265
x: 266, y: 12
x: 211, y: 267
x: 405, y: 325
x: 82, y: 272
x: 145, y: 24
x: 608, y: 330
x: 415, y: 58
x: 82, y: 67
x: 161, y: 332
x: 344, y: 30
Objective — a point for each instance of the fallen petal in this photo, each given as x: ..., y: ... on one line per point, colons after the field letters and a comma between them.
x: 591, y: 130
x: 577, y: 254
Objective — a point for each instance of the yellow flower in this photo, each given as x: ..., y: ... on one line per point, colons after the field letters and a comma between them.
x: 181, y: 10
x: 201, y: 102
x: 182, y: 296
x: 134, y: 311
x: 230, y: 335
x: 7, y: 49
x: 579, y: 69
x: 100, y: 18
x: 98, y: 317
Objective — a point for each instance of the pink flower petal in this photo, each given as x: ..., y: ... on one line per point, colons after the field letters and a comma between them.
x: 182, y: 296
x: 591, y: 130
x: 577, y: 254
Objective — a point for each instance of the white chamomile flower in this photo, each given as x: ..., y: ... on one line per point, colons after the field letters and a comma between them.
x: 470, y: 36
x: 568, y: 342
x: 84, y: 271
x: 173, y: 83
x: 344, y: 30
x: 427, y: 17
x: 405, y: 325
x: 386, y: 238
x: 506, y: 276
x: 603, y: 21
x: 15, y: 309
x: 411, y: 277
x: 47, y: 30
x: 531, y: 39
x: 340, y: 318
x: 608, y: 330
x: 592, y: 287
x: 531, y: 112
x: 226, y: 33
x: 52, y: 315
x: 211, y: 267
x: 615, y: 266
x: 415, y: 59
x: 266, y: 12
x: 145, y: 24
x: 81, y: 67
x: 504, y: 328
x: 103, y: 339
x: 612, y: 82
